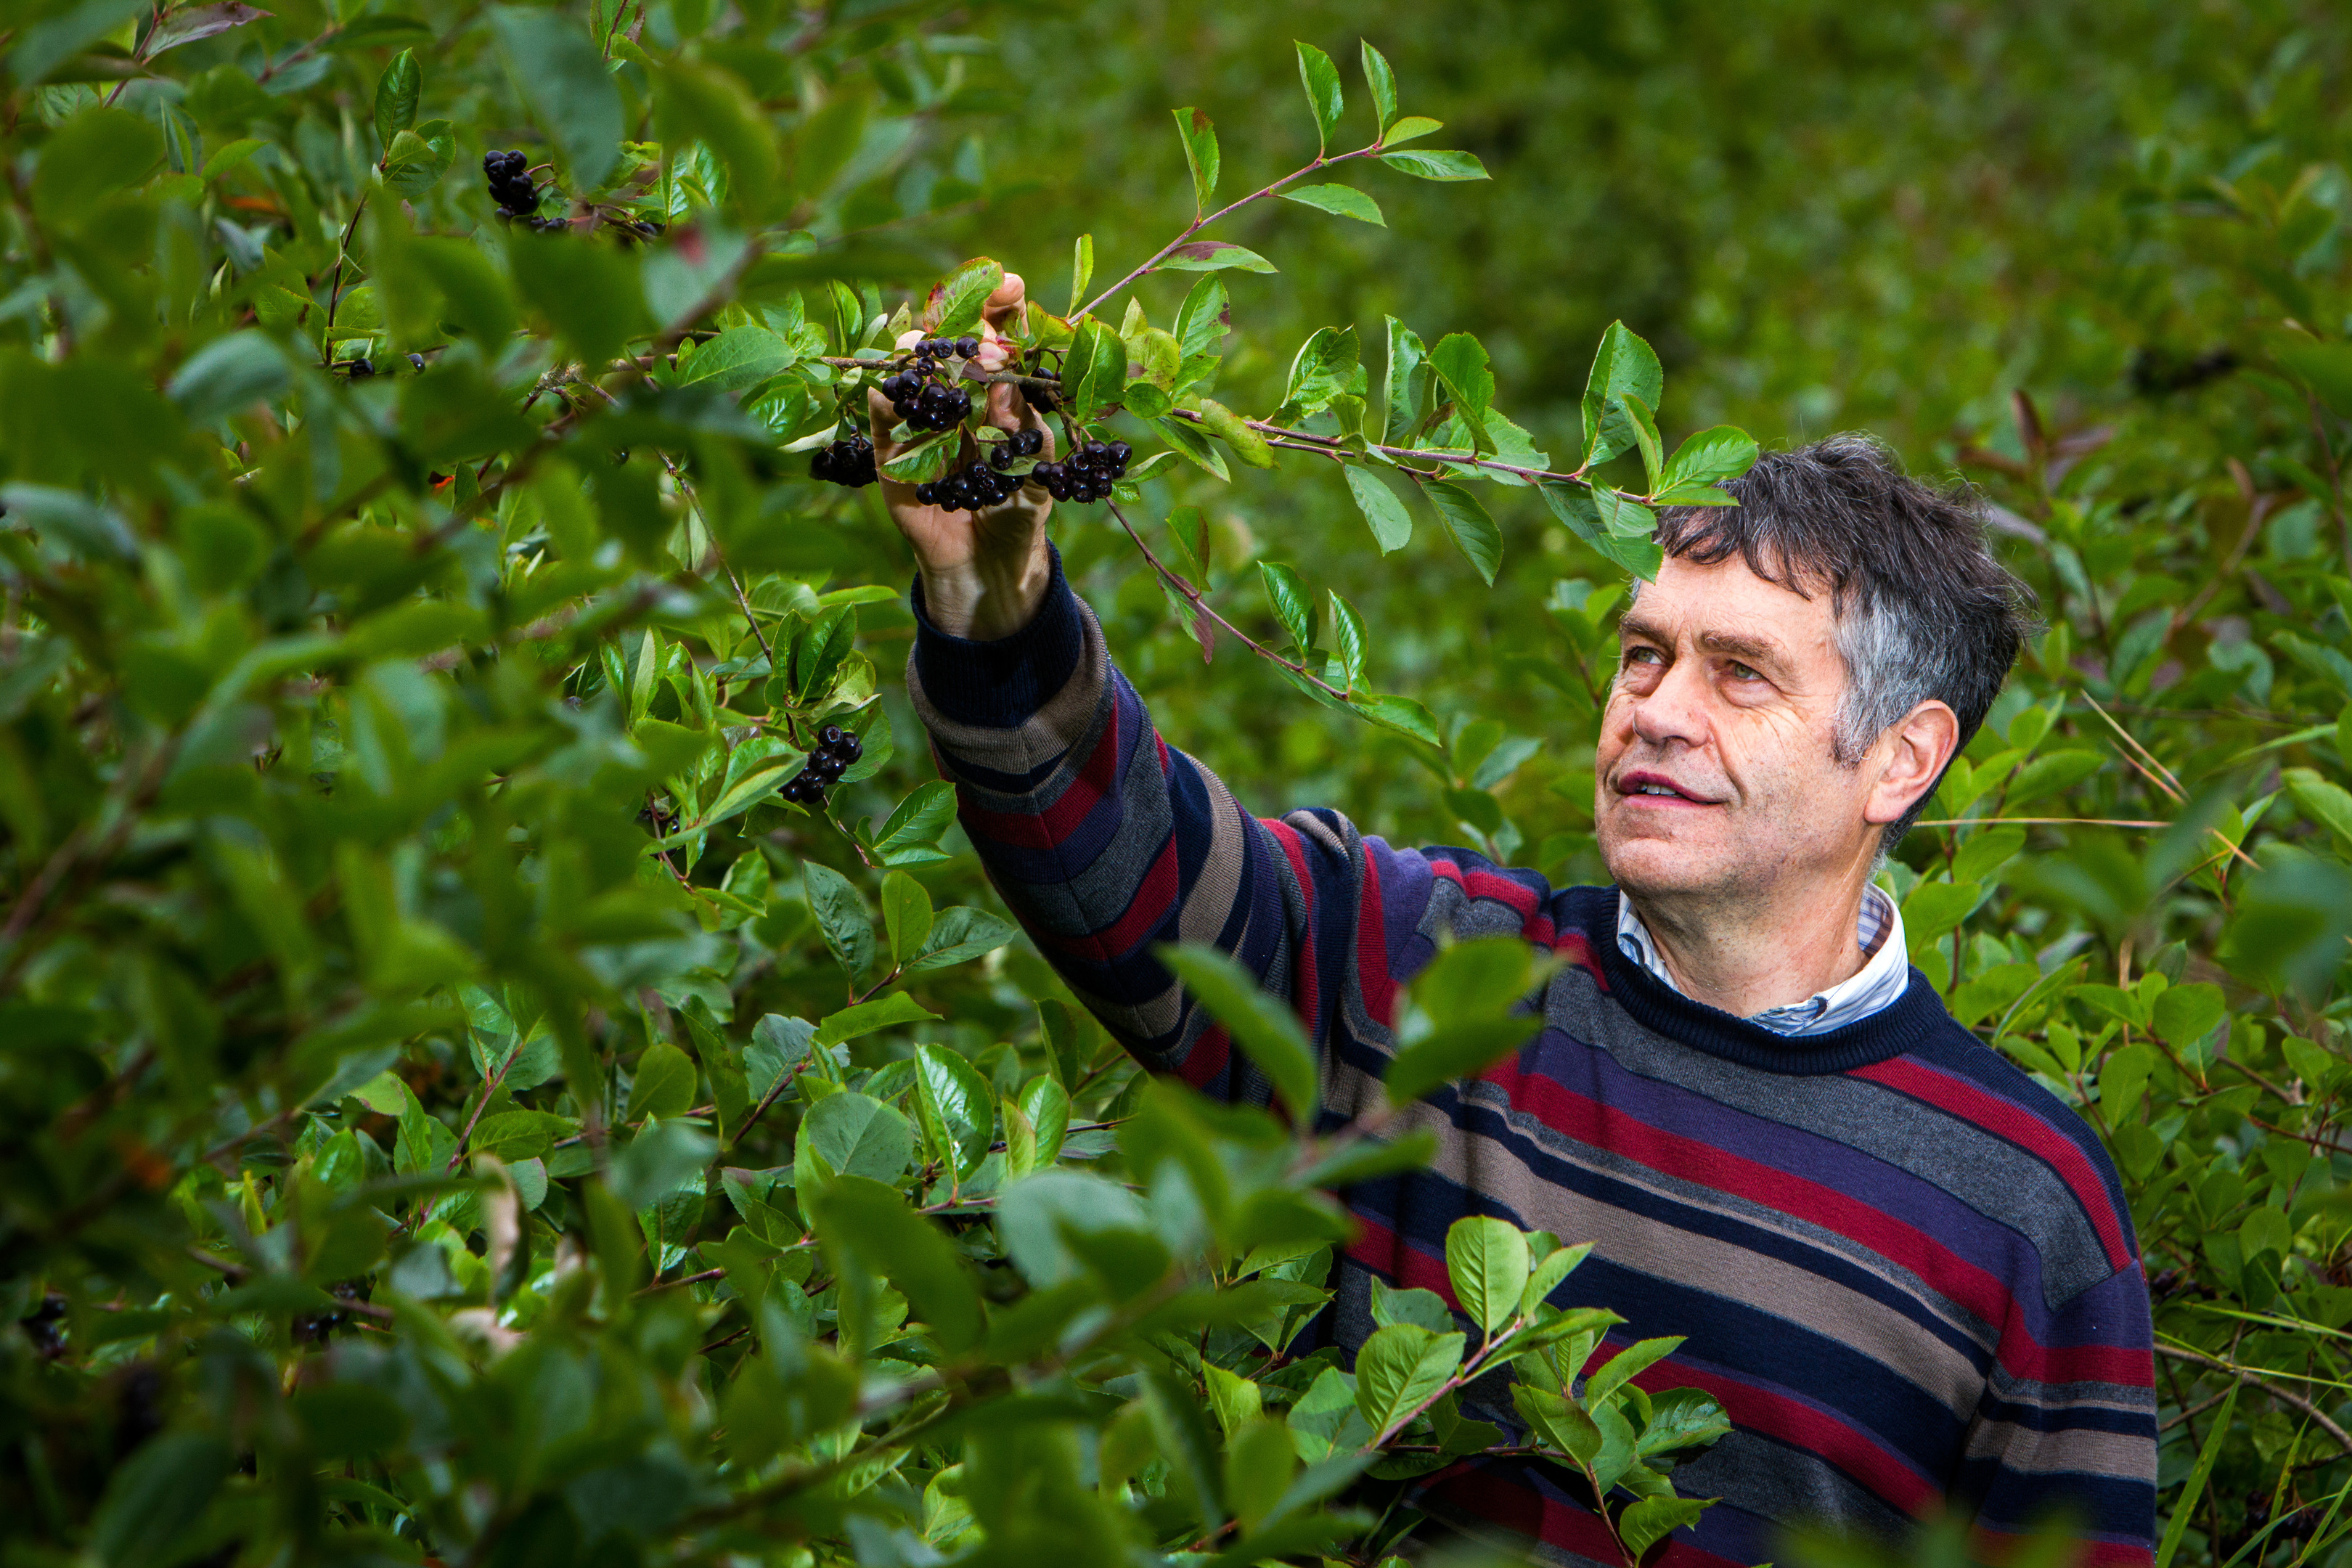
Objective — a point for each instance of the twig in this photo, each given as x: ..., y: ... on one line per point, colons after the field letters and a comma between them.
x: 1200, y: 602
x: 2343, y: 1438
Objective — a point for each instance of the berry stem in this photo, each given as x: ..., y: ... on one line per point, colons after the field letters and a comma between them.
x: 335, y: 289
x: 1205, y: 220
x: 1200, y: 602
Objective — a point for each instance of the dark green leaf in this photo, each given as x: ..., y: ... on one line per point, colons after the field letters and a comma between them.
x: 564, y: 80
x: 1321, y: 80
x: 1263, y: 1027
x: 396, y: 93
x: 1381, y: 81
x: 1466, y: 523
x: 1426, y: 165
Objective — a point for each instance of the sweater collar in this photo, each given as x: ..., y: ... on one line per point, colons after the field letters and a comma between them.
x: 1885, y: 975
x: 1905, y: 1024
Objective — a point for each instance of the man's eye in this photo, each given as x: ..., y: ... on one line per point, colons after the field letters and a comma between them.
x: 1741, y: 672
x: 1640, y: 656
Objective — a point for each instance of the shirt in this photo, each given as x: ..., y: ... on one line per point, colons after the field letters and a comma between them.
x: 1878, y: 931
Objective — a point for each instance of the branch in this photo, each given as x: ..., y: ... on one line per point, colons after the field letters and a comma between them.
x: 1200, y: 602
x: 1152, y: 263
x: 2343, y: 1438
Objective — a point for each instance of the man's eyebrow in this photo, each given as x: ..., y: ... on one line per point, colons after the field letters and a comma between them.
x: 1751, y: 650
x: 1629, y: 624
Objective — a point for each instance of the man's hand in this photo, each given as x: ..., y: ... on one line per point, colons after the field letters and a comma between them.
x: 984, y: 573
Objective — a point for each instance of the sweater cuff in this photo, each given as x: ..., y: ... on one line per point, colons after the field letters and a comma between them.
x: 1000, y: 684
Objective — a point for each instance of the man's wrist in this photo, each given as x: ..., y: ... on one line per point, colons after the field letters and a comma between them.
x: 999, y: 682
x: 987, y: 601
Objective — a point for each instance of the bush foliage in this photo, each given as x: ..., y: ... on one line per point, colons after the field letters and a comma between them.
x: 464, y: 1110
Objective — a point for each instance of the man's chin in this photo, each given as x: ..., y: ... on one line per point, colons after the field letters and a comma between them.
x: 1655, y: 864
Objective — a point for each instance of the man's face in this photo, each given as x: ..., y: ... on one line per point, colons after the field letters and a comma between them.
x: 1715, y: 775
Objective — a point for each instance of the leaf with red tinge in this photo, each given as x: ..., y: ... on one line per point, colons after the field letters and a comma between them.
x: 1216, y: 255
x: 197, y: 22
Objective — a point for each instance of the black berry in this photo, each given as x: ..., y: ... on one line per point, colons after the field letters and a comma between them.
x: 967, y: 347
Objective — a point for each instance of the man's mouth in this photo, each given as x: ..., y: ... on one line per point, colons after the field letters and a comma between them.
x: 1657, y: 786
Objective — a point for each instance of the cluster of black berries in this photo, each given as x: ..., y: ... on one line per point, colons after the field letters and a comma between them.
x: 925, y: 404
x: 513, y: 188
x: 1088, y: 474
x: 312, y: 1327
x: 837, y: 748
x: 848, y: 461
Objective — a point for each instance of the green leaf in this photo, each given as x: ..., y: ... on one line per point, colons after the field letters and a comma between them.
x: 840, y: 915
x: 1709, y: 457
x: 907, y: 915
x: 1347, y: 638
x: 1216, y: 255
x: 1466, y: 523
x: 1327, y: 1422
x: 1487, y: 1262
x: 1425, y: 165
x: 1460, y: 361
x: 956, y: 1105
x: 1384, y: 511
x: 1235, y: 1399
x: 865, y: 1018
x: 1455, y: 1051
x: 1646, y: 437
x: 1623, y: 367
x: 1556, y: 1266
x: 1401, y: 1368
x: 1191, y: 441
x: 960, y: 300
x: 1556, y: 1422
x: 2329, y: 805
x: 1205, y: 317
x: 396, y: 93
x: 589, y: 293
x: 1633, y: 1358
x: 1576, y: 506
x: 738, y: 358
x: 564, y: 80
x: 1082, y: 270
x: 2185, y: 1015
x: 1199, y: 154
x: 665, y: 1084
x: 227, y: 374
x: 1324, y: 367
x: 154, y: 1497
x: 418, y: 159
x: 1321, y: 80
x: 1427, y: 1308
x: 1264, y: 1026
x: 868, y: 1218
x: 1094, y: 375
x: 1651, y: 1520
x: 1381, y: 81
x: 1235, y: 432
x: 1293, y: 606
x: 919, y: 819
x: 921, y: 461
x: 1410, y: 128
x: 1402, y: 714
x: 1401, y: 396
x: 1681, y: 1418
x: 859, y: 1136
x: 960, y: 934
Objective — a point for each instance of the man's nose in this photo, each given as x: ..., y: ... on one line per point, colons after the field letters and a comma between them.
x: 1675, y: 709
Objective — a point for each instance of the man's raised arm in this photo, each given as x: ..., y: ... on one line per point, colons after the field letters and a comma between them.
x: 1105, y: 840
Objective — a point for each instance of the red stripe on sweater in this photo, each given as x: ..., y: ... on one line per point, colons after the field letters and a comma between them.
x: 1146, y: 908
x: 1058, y: 822
x: 1818, y: 1432
x: 1971, y: 1104
x: 1374, y: 978
x: 1305, y: 994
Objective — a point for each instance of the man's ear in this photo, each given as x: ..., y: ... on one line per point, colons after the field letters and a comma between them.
x: 1915, y: 751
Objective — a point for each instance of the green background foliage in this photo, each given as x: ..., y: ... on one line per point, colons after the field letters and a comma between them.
x: 459, y: 1109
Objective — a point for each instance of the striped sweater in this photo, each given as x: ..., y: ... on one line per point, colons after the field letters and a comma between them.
x: 1906, y: 1271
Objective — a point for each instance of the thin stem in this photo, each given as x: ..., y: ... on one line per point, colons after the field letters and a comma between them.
x: 1205, y: 220
x: 335, y: 289
x: 1200, y: 602
x: 2284, y: 1396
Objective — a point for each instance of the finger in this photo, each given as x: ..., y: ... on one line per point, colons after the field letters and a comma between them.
x: 1007, y: 303
x: 1003, y: 411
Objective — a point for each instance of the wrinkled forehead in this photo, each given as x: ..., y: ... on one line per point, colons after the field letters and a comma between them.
x: 1727, y: 597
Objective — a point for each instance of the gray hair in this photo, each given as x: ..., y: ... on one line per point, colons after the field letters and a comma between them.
x: 1922, y: 609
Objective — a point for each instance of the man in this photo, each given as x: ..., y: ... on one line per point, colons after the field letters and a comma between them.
x: 1907, y: 1272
